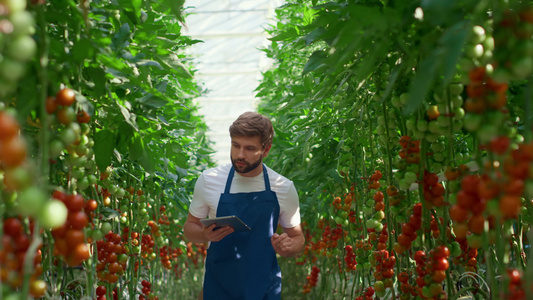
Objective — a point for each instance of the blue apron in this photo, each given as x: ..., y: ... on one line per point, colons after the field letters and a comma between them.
x: 243, y: 265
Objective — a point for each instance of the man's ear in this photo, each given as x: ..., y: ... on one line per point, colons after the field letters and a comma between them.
x: 266, y: 150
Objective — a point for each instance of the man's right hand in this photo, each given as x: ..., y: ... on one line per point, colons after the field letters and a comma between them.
x: 216, y: 235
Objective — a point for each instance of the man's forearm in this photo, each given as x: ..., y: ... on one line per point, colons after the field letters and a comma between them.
x: 297, y: 246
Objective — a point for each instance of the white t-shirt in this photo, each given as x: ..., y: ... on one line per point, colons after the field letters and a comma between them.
x: 211, y: 184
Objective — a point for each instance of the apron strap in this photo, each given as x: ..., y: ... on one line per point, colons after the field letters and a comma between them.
x: 229, y: 180
x: 232, y: 173
x: 267, y: 181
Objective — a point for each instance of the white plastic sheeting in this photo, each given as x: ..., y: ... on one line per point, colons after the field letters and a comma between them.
x: 229, y: 61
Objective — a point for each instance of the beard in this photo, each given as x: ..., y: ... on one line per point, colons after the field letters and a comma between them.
x: 247, y: 167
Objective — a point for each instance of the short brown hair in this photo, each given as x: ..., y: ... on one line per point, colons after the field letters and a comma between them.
x: 253, y: 124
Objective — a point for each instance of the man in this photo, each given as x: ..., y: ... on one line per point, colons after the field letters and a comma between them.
x: 243, y: 265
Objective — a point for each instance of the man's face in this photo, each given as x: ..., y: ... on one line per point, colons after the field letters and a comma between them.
x: 247, y: 153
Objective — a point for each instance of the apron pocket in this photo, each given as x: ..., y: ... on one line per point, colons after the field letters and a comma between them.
x: 229, y: 275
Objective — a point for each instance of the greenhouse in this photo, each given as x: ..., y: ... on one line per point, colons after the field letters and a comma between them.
x: 400, y: 164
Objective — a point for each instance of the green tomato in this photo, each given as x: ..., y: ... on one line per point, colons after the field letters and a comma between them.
x: 410, y: 177
x: 486, y: 132
x: 120, y: 192
x: 22, y: 48
x: 371, y: 223
x: 23, y: 23
x: 472, y: 122
x: 83, y: 183
x: 31, y: 201
x: 422, y: 125
x: 433, y: 126
x: 410, y: 124
x: 474, y: 51
x: 11, y: 70
x: 433, y: 137
x: 379, y: 215
x: 404, y: 98
x: 478, y: 34
x: 53, y: 214
x: 395, y: 101
x: 522, y: 67
x: 106, y: 227
x: 443, y: 121
x: 15, y: 6
x: 68, y: 136
x: 456, y: 89
x: 440, y: 157
x: 403, y: 185
x: 419, y: 135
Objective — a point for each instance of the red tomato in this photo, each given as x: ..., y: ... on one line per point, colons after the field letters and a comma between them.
x: 66, y: 97
x: 441, y: 264
x: 12, y: 227
x: 9, y: 127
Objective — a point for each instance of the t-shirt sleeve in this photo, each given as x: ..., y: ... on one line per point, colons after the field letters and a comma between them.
x: 199, y: 206
x: 290, y: 212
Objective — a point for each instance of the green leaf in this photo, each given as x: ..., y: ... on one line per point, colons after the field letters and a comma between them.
x: 420, y: 84
x: 108, y: 213
x: 133, y: 6
x: 174, y: 64
x: 104, y: 143
x: 453, y: 40
x: 138, y: 151
x: 315, y: 62
x: 82, y: 50
x: 289, y: 34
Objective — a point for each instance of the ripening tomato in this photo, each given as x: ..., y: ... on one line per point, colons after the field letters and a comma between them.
x: 13, y: 151
x: 510, y: 206
x: 66, y: 97
x: 51, y: 105
x: 91, y: 205
x: 9, y: 126
x: 439, y: 276
x: 458, y: 213
x: 83, y: 117
x: 81, y: 252
x: 66, y: 115
x: 37, y: 288
x: 379, y: 196
x: 74, y: 237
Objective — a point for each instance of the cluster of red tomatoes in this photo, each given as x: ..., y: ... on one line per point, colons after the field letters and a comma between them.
x: 168, y: 254
x: 384, y: 263
x: 409, y: 230
x: 61, y: 106
x: 69, y: 239
x: 312, y: 279
x: 13, y: 251
x: 147, y: 291
x: 112, y: 257
x: 349, y: 258
x: 431, y: 271
x: 433, y: 190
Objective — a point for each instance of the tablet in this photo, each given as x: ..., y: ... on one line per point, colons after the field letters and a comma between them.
x: 232, y: 221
